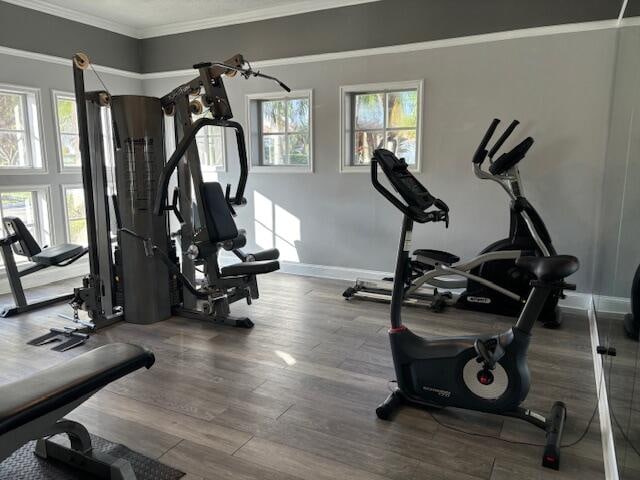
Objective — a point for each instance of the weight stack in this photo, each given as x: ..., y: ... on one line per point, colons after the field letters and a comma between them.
x: 138, y: 128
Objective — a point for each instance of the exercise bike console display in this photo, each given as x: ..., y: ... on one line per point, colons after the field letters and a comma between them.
x: 418, y: 198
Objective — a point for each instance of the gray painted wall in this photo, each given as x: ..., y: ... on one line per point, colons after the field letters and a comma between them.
x: 26, y: 29
x: 618, y: 251
x: 388, y: 22
x: 558, y: 86
x: 47, y: 77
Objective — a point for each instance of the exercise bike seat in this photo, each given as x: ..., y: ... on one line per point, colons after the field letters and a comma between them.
x: 550, y: 269
x: 250, y: 268
x: 438, y: 256
x: 48, y: 390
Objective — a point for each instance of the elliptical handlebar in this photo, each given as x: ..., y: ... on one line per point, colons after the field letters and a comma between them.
x: 481, y: 151
x: 506, y: 161
x: 418, y: 199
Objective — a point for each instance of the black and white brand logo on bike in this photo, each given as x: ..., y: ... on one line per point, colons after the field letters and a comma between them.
x: 485, y: 300
x: 438, y: 391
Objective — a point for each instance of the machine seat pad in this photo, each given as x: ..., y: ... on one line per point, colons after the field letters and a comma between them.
x: 439, y: 256
x: 269, y: 254
x: 550, y: 269
x: 56, y: 254
x: 32, y: 397
x: 250, y: 268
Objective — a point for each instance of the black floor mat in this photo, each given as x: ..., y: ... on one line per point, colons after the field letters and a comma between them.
x: 25, y: 465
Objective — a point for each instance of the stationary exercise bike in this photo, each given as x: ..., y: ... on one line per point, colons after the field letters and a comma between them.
x: 491, y: 282
x: 486, y: 373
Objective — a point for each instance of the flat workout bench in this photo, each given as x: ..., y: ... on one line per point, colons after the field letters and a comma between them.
x: 34, y: 408
x: 19, y: 241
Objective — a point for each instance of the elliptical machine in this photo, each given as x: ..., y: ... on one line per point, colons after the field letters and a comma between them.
x: 491, y: 282
x: 485, y: 373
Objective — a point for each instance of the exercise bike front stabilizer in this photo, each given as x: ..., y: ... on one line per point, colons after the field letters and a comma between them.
x: 486, y: 373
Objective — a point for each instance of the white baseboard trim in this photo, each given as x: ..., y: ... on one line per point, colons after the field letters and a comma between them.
x: 614, y: 305
x: 606, y: 429
x: 47, y: 276
x: 573, y: 300
x: 331, y: 272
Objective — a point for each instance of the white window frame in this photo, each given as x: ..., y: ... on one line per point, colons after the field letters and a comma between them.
x: 206, y: 168
x: 64, y: 188
x: 44, y: 190
x: 54, y: 97
x: 345, y: 93
x: 30, y: 122
x: 253, y: 130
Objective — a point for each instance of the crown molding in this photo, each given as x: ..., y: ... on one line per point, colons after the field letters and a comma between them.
x: 255, y: 15
x: 419, y: 46
x: 76, y: 16
x: 324, y: 57
x: 41, y: 57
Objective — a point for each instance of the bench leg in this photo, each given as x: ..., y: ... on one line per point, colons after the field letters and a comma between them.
x: 13, y: 275
x: 80, y: 454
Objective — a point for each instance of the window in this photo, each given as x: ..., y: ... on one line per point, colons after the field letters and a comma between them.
x: 67, y: 125
x: 281, y: 132
x: 31, y: 205
x: 20, y: 139
x: 210, y: 141
x: 380, y: 116
x: 75, y: 215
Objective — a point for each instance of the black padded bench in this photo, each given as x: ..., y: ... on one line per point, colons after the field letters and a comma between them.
x: 34, y: 408
x: 19, y: 241
x: 257, y: 267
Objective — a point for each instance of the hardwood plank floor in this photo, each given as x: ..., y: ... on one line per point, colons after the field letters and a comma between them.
x: 294, y: 397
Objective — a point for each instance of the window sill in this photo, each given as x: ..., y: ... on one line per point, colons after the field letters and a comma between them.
x: 23, y: 171
x: 281, y: 169
x: 71, y: 170
x: 367, y: 169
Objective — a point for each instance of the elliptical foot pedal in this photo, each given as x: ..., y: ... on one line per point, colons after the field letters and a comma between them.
x: 555, y: 426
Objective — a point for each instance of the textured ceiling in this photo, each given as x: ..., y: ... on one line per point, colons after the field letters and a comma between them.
x: 145, y: 16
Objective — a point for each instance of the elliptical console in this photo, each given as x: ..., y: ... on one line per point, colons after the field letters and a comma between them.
x: 486, y: 373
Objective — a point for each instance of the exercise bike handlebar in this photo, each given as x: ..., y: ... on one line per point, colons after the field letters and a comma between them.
x: 165, y: 176
x: 414, y: 212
